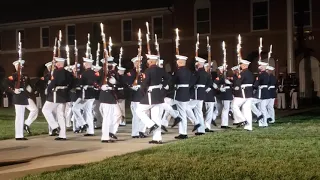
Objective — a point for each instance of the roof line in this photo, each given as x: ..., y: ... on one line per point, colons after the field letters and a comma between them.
x: 83, y: 18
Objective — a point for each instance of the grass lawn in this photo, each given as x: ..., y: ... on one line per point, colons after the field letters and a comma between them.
x: 7, y: 118
x: 289, y: 149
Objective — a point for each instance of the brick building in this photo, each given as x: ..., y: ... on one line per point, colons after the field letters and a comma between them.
x: 221, y: 20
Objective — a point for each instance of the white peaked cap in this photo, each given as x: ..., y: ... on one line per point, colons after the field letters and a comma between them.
x: 270, y: 68
x: 88, y: 60
x: 206, y: 65
x: 152, y: 57
x: 243, y: 61
x: 262, y: 63
x: 17, y: 62
x: 48, y: 64
x: 97, y: 67
x: 200, y: 60
x: 134, y: 59
x: 220, y: 67
x: 121, y: 68
x: 161, y: 61
x: 110, y: 59
x: 234, y: 68
x: 59, y: 59
x: 179, y: 57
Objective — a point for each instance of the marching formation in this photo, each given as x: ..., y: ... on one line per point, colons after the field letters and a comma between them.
x: 75, y: 98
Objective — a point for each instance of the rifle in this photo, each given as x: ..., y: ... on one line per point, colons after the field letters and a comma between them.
x: 239, y: 50
x: 138, y: 69
x: 17, y: 86
x: 177, y: 41
x: 105, y: 56
x: 76, y: 58
x: 209, y: 55
x: 59, y: 43
x: 148, y: 38
x: 197, y: 45
x: 224, y: 59
x: 98, y: 54
x: 54, y: 55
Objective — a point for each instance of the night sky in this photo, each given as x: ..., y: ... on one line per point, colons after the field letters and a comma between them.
x: 32, y: 10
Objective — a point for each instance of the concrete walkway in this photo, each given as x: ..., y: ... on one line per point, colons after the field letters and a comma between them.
x: 42, y: 153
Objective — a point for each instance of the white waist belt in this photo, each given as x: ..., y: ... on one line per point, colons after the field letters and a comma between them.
x: 200, y: 86
x: 196, y: 90
x: 150, y: 88
x: 78, y: 88
x: 55, y: 92
x: 227, y: 87
x: 263, y: 86
x: 270, y: 87
x: 243, y: 86
x: 182, y: 85
x: 120, y: 88
x: 138, y: 86
x: 83, y: 90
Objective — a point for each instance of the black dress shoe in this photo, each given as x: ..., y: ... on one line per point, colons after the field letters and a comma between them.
x: 242, y: 124
x: 88, y: 135
x: 107, y: 141
x: 55, y: 132
x: 27, y: 129
x: 231, y: 115
x: 176, y: 121
x: 208, y: 130
x: 269, y: 120
x: 153, y: 128
x: 181, y: 136
x: 235, y: 124
x: 199, y: 134
x: 225, y: 127
x: 164, y: 128
x: 259, y: 118
x: 96, y: 127
x: 21, y: 139
x: 155, y: 142
x: 77, y: 131
x: 84, y: 128
x: 135, y: 137
x: 196, y: 127
x: 60, y: 139
x: 113, y: 136
x: 213, y: 123
x: 142, y: 135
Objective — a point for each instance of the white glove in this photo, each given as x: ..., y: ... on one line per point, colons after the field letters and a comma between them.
x: 46, y: 91
x: 166, y: 87
x: 135, y: 88
x: 215, y: 86
x: 17, y: 91
x: 85, y: 87
x: 236, y: 88
x: 207, y: 90
x: 222, y: 89
x: 112, y: 80
x: 36, y: 92
x: 104, y: 88
x: 49, y: 81
x: 29, y: 89
x: 227, y: 81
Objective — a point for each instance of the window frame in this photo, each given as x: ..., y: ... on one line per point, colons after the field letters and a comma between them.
x: 202, y: 4
x: 310, y: 14
x: 67, y: 34
x: 162, y: 28
x: 252, y: 17
x: 122, y: 30
x: 41, y: 37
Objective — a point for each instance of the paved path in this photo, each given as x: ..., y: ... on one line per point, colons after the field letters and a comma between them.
x: 42, y: 153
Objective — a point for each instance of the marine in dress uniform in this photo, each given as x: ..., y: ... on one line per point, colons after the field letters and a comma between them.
x: 294, y: 85
x: 96, y: 103
x: 262, y: 84
x: 167, y: 105
x: 75, y: 94
x: 256, y: 101
x: 108, y: 107
x: 225, y: 88
x: 88, y: 81
x: 138, y: 127
x: 68, y: 109
x: 120, y: 94
x: 154, y: 79
x: 281, y: 96
x: 59, y: 87
x: 243, y: 96
x: 198, y: 94
x: 235, y: 71
x: 272, y: 94
x: 21, y: 101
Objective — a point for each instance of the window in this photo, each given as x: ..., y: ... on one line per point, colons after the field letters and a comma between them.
x: 0, y: 41
x: 126, y: 30
x: 202, y: 16
x: 305, y: 6
x: 260, y: 15
x: 71, y: 34
x: 21, y: 31
x: 44, y: 37
x: 157, y: 24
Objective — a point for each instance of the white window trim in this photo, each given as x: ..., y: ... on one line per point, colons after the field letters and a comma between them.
x: 251, y: 14
x: 201, y: 4
x: 24, y: 37
x: 310, y: 11
x: 66, y: 37
x: 153, y: 17
x: 122, y: 37
x: 41, y: 43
